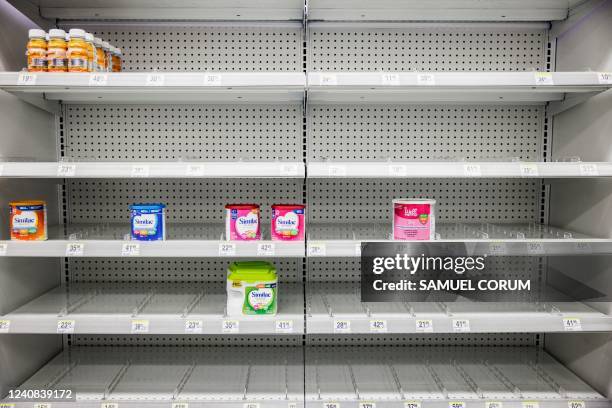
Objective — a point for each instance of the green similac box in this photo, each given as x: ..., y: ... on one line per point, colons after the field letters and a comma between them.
x: 252, y: 288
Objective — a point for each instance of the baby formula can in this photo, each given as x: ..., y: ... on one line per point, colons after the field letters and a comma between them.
x: 242, y: 222
x: 148, y: 222
x: 252, y: 289
x: 414, y: 219
x: 288, y: 222
x: 28, y: 220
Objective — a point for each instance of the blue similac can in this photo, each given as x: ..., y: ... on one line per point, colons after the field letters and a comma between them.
x: 148, y: 221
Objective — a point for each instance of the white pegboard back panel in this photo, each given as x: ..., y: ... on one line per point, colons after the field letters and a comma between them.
x: 108, y: 201
x: 185, y: 340
x: 427, y: 47
x: 191, y: 132
x: 204, y: 46
x: 485, y: 340
x: 425, y: 132
x: 457, y: 200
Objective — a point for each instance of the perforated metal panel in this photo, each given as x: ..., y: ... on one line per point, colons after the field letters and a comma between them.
x: 184, y: 341
x: 523, y: 339
x: 427, y: 47
x: 205, y: 47
x: 424, y: 132
x: 193, y: 132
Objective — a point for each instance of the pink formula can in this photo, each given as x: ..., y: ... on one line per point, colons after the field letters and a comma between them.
x: 242, y: 222
x: 288, y: 222
x: 414, y: 220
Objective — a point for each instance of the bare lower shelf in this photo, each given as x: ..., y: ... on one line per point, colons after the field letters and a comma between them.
x: 335, y: 307
x: 151, y: 309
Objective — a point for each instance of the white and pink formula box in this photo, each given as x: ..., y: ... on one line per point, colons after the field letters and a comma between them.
x: 242, y: 222
x: 414, y: 219
x: 288, y: 222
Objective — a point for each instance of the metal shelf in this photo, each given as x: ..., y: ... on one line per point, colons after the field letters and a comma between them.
x: 457, y: 169
x: 442, y: 377
x: 228, y: 377
x: 344, y: 240
x: 187, y: 169
x: 143, y: 308
x: 183, y: 240
x: 335, y: 307
x: 458, y: 87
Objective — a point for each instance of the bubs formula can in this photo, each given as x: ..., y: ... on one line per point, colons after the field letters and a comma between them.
x: 414, y: 219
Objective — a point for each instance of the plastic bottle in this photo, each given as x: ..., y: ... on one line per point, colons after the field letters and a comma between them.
x: 100, y: 55
x: 37, y: 50
x: 56, y: 51
x: 107, y: 56
x: 77, y: 51
x: 116, y: 59
x: 91, y: 51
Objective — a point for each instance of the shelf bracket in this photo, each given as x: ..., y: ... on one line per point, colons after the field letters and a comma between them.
x: 143, y: 303
x: 556, y: 107
x: 183, y: 381
x: 246, y: 381
x: 436, y: 379
x: 503, y: 379
x: 193, y: 303
x: 396, y: 379
x: 113, y: 383
x: 60, y: 375
x: 353, y: 380
x: 71, y: 307
x: 468, y: 379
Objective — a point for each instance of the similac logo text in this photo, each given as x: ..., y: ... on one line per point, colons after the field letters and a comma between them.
x: 26, y: 219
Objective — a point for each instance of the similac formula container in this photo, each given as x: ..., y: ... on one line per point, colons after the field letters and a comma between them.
x: 56, y: 51
x: 242, y: 222
x: 148, y: 222
x: 37, y: 50
x: 288, y: 222
x: 252, y: 289
x: 414, y: 219
x: 77, y: 51
x: 28, y: 220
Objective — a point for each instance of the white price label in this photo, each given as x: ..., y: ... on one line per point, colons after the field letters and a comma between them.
x: 426, y: 79
x: 535, y: 248
x: 42, y: 405
x: 194, y: 170
x: 390, y: 79
x: 456, y: 404
x: 155, y: 79
x: 576, y: 404
x: 328, y: 79
x: 498, y: 248
x: 424, y: 326
x: 336, y: 171
x: 180, y: 405
x: 289, y: 170
x: 140, y: 326
x: 230, y: 326
x: 26, y: 78
x: 3, y: 249
x: 250, y: 405
x: 5, y: 326
x: 342, y: 326
x: 461, y: 325
x: 130, y: 249
x: 472, y: 170
x: 75, y: 249
x: 358, y: 249
x: 98, y: 79
x: 397, y: 170
x: 412, y: 404
x: 227, y: 249
x: 543, y: 78
x: 589, y: 169
x: 529, y: 170
x: 212, y: 80
x: 572, y: 324
x: 378, y: 326
x: 65, y: 326
x: 140, y: 170
x: 292, y: 405
x: 494, y: 404
x: 605, y: 78
x: 283, y: 326
x: 265, y: 249
x: 331, y: 405
x: 193, y: 326
x: 66, y: 170
x: 316, y: 249
x: 367, y: 405
x: 530, y: 404
x: 109, y: 405
x: 583, y: 248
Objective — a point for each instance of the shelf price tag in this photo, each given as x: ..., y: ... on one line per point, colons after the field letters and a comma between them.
x: 316, y: 249
x: 426, y: 79
x: 66, y: 170
x: 461, y: 325
x: 98, y: 79
x: 65, y: 326
x: 378, y: 326
x: 265, y: 249
x: 572, y: 324
x: 589, y: 169
x: 543, y: 78
x: 367, y: 405
x: 140, y: 326
x: 3, y: 249
x: 494, y: 404
x: 180, y: 405
x: 130, y: 249
x: 424, y: 326
x: 412, y: 404
x: 529, y: 170
x: 212, y: 79
x: 250, y: 405
x: 605, y: 78
x: 227, y: 249
x: 576, y: 404
x: 498, y: 248
x: 328, y: 79
x: 336, y: 171
x: 5, y: 326
x: 230, y: 326
x: 456, y: 404
x: 26, y: 78
x: 390, y: 79
x: 140, y: 170
x: 75, y: 249
x: 342, y: 326
x: 289, y: 169
x: 42, y: 405
x: 155, y: 79
x: 397, y: 170
x: 530, y: 404
x: 331, y: 405
x: 472, y: 170
x: 358, y: 249
x: 283, y: 326
x: 109, y: 405
x: 194, y: 170
x: 535, y: 248
x: 193, y: 326
x: 583, y: 248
